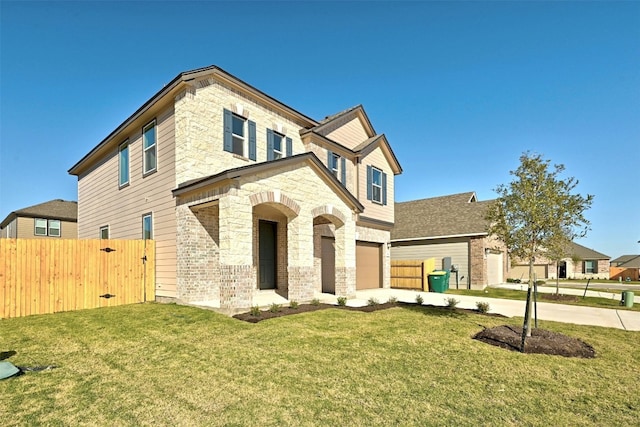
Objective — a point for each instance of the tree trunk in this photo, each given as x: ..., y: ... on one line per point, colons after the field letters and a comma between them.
x: 528, y: 312
x: 557, y: 277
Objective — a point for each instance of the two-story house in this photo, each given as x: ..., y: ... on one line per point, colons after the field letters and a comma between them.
x: 242, y: 193
x: 53, y: 219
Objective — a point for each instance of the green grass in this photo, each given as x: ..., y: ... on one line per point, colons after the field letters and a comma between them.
x: 522, y: 295
x: 155, y: 364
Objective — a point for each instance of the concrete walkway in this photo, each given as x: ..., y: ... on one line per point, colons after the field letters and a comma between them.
x: 610, y: 318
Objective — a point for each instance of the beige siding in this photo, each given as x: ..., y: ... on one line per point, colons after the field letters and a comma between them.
x: 371, y: 209
x: 10, y: 230
x: 24, y: 228
x: 350, y: 134
x: 457, y: 249
x: 102, y: 203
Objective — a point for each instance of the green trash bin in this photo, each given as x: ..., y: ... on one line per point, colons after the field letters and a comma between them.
x: 438, y: 281
x: 627, y: 299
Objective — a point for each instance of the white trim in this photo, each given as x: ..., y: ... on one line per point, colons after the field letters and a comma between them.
x: 149, y: 125
x: 440, y: 237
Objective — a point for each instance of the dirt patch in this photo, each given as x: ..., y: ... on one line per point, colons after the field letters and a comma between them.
x: 558, y: 297
x: 305, y: 308
x: 541, y: 341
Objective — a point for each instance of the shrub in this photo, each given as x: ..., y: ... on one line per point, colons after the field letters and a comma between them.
x: 255, y: 311
x: 373, y: 301
x: 294, y: 304
x: 419, y: 299
x: 540, y: 282
x: 482, y: 306
x: 451, y: 302
x: 342, y: 301
x: 274, y: 308
x: 510, y: 280
x: 393, y: 300
x: 315, y: 301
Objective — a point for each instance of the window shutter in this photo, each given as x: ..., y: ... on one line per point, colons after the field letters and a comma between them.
x: 384, y: 188
x: 289, y: 147
x: 343, y: 171
x: 228, y: 145
x: 369, y: 181
x: 269, y: 144
x: 252, y: 140
x: 329, y: 155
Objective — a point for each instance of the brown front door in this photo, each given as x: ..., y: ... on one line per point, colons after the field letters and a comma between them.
x: 328, y: 265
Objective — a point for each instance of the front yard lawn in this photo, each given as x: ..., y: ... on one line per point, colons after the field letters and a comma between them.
x: 155, y: 364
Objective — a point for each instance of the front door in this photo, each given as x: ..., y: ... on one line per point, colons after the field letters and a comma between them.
x: 267, y: 254
x: 562, y: 270
x: 328, y: 265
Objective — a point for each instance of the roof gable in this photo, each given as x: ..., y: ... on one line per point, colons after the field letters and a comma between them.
x: 583, y: 252
x: 309, y: 158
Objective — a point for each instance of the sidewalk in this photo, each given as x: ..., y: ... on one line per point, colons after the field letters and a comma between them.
x: 567, y: 291
x: 610, y: 318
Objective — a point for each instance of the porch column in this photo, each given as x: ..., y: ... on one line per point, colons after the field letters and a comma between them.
x: 237, y: 275
x: 346, y: 259
x: 300, y: 267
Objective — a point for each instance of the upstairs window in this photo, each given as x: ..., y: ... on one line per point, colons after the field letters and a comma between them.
x: 104, y: 232
x: 123, y: 164
x: 337, y: 165
x: 376, y: 185
x: 149, y: 147
x: 41, y: 227
x: 47, y: 227
x: 278, y: 145
x: 239, y: 135
x: 54, y: 227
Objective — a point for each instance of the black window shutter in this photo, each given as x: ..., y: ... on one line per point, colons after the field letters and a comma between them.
x: 228, y: 145
x: 252, y: 140
x: 269, y: 144
x: 384, y: 188
x: 343, y: 171
x: 289, y: 147
x: 369, y: 181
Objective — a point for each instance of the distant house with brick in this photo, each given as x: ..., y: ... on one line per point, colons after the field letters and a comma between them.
x: 451, y: 229
x: 580, y: 263
x: 625, y: 267
x: 243, y: 194
x: 53, y: 219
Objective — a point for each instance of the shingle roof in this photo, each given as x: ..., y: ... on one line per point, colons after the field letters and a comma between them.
x: 54, y: 209
x: 453, y: 215
x: 631, y: 261
x: 585, y: 253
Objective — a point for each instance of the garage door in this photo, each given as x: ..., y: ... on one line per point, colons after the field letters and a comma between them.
x: 494, y: 269
x: 522, y: 272
x: 368, y: 265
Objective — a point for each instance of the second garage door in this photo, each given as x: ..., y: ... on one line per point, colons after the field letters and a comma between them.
x: 368, y: 265
x: 522, y: 272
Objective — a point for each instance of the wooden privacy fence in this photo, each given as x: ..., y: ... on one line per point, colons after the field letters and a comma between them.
x: 40, y: 276
x: 616, y: 273
x: 411, y: 274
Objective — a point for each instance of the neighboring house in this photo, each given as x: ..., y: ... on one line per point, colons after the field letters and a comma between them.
x: 53, y: 219
x: 625, y: 267
x: 242, y: 193
x: 450, y: 228
x: 582, y: 263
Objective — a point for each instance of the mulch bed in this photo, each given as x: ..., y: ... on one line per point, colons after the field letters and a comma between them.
x: 541, y: 341
x: 305, y: 308
x: 558, y: 297
x: 509, y: 337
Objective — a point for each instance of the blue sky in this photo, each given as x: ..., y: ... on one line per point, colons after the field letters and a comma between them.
x: 461, y: 89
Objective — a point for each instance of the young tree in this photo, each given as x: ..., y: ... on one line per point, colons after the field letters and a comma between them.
x: 537, y: 213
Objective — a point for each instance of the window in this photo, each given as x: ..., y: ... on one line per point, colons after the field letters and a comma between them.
x: 54, y: 227
x: 333, y: 163
x: 41, y: 227
x: 277, y: 146
x: 376, y: 185
x: 239, y: 135
x: 591, y: 266
x: 47, y: 227
x: 149, y: 147
x: 123, y: 164
x: 104, y: 232
x: 147, y: 227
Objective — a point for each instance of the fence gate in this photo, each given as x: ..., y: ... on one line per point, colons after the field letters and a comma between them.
x: 39, y: 276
